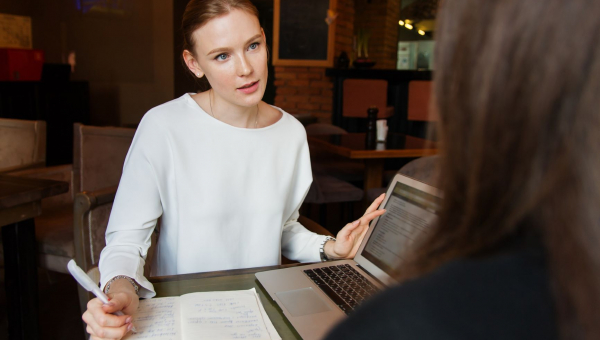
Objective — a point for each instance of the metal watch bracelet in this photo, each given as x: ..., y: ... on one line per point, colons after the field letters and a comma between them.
x: 135, y: 286
x: 324, y: 257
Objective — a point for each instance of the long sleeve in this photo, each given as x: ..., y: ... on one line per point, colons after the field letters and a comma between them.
x: 298, y: 243
x: 135, y: 211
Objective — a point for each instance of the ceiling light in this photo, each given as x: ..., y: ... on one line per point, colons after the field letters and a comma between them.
x: 409, y: 26
x: 421, y: 32
x: 401, y: 23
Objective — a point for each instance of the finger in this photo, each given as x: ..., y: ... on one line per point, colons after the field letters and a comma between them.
x: 375, y: 204
x: 101, y: 318
x: 367, y: 218
x: 109, y: 332
x: 347, y: 229
x: 116, y: 302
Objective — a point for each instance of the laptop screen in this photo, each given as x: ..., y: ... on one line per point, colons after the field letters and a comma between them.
x: 409, y: 212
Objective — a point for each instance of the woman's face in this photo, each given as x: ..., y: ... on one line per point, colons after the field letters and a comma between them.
x: 231, y: 52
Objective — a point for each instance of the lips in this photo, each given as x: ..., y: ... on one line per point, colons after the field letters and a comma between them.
x: 248, y: 85
x: 249, y: 88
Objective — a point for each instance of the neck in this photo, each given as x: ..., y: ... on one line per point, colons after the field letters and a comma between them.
x: 235, y: 115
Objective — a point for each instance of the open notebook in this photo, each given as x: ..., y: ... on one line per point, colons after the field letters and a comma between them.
x: 207, y: 315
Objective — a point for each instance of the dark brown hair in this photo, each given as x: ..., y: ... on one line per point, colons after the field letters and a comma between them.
x: 517, y: 88
x: 199, y: 12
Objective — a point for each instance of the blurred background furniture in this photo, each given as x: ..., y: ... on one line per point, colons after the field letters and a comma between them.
x: 58, y: 103
x: 360, y: 94
x: 333, y: 177
x: 20, y: 202
x: 353, y: 146
x: 326, y: 163
x: 419, y: 112
x: 22, y: 144
x: 54, y: 227
x: 423, y: 169
x: 397, y: 97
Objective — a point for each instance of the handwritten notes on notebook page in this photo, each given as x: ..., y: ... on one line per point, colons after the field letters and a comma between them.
x: 208, y: 315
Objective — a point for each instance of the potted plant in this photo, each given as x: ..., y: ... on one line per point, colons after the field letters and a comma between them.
x: 362, y: 49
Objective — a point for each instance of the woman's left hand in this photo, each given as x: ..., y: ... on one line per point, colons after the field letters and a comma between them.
x: 349, y: 238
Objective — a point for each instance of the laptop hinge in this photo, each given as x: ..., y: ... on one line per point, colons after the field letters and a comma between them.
x: 371, y: 275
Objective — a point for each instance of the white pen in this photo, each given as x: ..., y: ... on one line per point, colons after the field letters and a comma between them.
x: 89, y: 285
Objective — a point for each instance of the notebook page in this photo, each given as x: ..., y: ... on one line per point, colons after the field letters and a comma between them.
x: 225, y: 315
x: 157, y: 319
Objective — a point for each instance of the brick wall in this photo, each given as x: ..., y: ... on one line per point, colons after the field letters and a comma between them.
x: 306, y: 90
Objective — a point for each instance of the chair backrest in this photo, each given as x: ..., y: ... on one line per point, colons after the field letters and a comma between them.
x: 98, y: 156
x: 22, y: 144
x: 360, y: 94
x: 419, y: 101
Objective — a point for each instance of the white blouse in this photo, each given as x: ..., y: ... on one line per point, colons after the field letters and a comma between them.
x: 228, y: 196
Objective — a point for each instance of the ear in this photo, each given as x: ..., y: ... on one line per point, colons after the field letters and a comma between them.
x: 263, y: 35
x: 192, y: 64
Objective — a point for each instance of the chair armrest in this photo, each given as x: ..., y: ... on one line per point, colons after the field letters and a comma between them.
x: 84, y: 204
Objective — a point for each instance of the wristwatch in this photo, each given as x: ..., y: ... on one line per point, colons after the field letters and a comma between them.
x: 135, y: 286
x: 324, y: 257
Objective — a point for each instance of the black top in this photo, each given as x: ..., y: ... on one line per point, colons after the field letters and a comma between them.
x: 503, y: 296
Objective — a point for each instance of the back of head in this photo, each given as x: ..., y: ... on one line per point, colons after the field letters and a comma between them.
x: 517, y: 87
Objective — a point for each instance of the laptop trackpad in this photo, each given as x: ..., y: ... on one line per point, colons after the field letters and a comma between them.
x: 302, y: 302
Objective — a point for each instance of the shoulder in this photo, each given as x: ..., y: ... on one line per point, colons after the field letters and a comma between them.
x: 290, y: 124
x: 172, y: 111
x: 501, y: 297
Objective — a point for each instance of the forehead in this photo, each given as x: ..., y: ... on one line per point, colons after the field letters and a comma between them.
x: 230, y: 30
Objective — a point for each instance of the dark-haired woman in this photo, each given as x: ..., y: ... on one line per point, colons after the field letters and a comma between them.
x: 515, y: 253
x: 225, y: 171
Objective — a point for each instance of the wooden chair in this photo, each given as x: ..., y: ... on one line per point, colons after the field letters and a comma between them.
x: 99, y: 154
x: 22, y: 144
x: 360, y: 94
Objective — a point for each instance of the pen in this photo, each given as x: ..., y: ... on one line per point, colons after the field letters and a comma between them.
x: 81, y: 277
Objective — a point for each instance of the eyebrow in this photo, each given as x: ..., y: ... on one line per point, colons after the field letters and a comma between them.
x: 225, y: 49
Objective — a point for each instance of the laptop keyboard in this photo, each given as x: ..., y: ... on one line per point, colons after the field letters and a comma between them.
x: 343, y: 284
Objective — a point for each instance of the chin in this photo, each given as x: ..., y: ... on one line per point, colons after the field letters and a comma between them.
x: 254, y: 98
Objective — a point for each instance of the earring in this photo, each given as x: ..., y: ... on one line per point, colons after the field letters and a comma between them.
x: 198, y: 75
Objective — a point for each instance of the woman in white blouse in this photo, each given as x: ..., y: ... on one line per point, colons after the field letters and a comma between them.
x: 225, y: 171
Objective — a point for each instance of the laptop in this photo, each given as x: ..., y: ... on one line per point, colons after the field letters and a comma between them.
x: 317, y: 296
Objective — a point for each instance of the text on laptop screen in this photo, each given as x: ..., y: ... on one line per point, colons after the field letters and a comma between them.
x: 409, y: 212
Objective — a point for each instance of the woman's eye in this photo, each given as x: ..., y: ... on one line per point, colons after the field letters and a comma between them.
x: 253, y: 46
x: 221, y: 57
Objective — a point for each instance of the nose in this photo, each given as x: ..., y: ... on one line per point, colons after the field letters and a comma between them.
x: 244, y: 68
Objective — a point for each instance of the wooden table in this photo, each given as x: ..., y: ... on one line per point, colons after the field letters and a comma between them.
x: 354, y: 146
x: 237, y: 279
x: 20, y: 202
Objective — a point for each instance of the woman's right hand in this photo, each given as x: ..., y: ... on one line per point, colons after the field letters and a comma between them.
x: 101, y: 323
